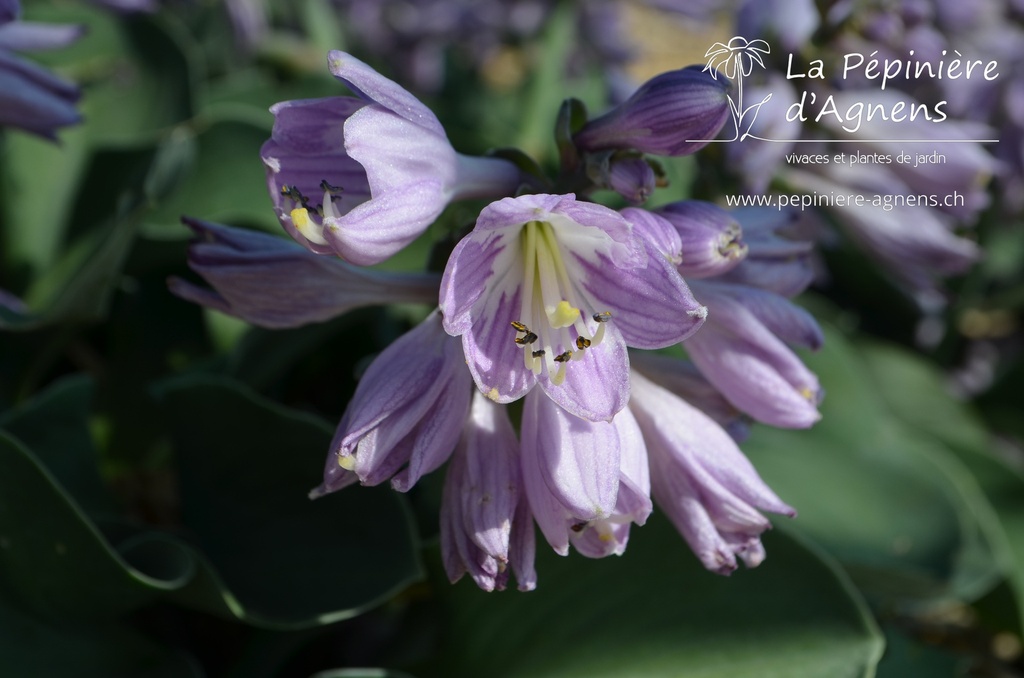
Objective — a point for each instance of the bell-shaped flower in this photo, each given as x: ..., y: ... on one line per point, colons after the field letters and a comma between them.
x: 486, y: 526
x: 779, y: 256
x: 549, y: 290
x: 406, y: 415
x: 675, y: 113
x: 701, y: 479
x: 272, y: 282
x: 31, y: 97
x: 742, y: 351
x: 682, y: 378
x: 711, y: 239
x: 381, y: 162
x: 586, y: 481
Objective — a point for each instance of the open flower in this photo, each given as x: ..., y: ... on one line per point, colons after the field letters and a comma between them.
x: 549, y: 290
x: 380, y: 161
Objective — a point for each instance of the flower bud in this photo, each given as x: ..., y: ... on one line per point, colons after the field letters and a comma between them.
x: 675, y: 113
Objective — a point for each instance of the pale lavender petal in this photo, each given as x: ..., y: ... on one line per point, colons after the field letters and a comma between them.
x: 657, y: 231
x: 377, y: 229
x: 494, y: 359
x: 491, y: 493
x: 758, y: 374
x: 523, y: 547
x: 578, y: 459
x: 652, y: 307
x: 596, y: 387
x: 397, y: 412
x: 395, y: 152
x: 374, y: 87
x: 781, y: 316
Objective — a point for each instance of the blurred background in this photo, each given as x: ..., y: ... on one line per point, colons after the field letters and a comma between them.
x: 155, y: 456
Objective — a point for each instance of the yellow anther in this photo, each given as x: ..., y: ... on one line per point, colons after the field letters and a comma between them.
x: 806, y: 392
x: 300, y: 217
x: 304, y: 225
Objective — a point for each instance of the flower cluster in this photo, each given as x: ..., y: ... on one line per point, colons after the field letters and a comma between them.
x: 550, y: 299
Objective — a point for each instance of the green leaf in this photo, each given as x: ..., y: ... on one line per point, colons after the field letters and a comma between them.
x: 55, y: 425
x: 31, y: 647
x: 225, y: 182
x: 655, y: 612
x: 52, y: 557
x: 933, y: 411
x: 246, y: 466
x: 903, y: 514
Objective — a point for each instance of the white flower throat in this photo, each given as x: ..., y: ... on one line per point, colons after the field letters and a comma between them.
x: 551, y: 328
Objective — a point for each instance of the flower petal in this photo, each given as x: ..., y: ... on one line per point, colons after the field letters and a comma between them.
x: 371, y: 85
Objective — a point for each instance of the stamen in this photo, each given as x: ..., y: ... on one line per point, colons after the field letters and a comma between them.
x: 329, y: 188
x: 309, y: 229
x: 528, y: 339
x: 347, y: 462
x: 538, y: 354
x: 520, y: 327
x: 582, y: 342
x: 602, y: 317
x: 563, y: 357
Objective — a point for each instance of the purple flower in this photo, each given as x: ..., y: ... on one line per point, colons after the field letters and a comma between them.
x: 486, y: 524
x: 675, y: 113
x: 702, y: 480
x: 710, y: 238
x: 406, y: 414
x: 741, y: 349
x: 381, y: 162
x: 586, y: 481
x: 682, y: 378
x: 531, y: 291
x: 632, y: 178
x: 272, y: 282
x: 778, y: 258
x: 31, y: 97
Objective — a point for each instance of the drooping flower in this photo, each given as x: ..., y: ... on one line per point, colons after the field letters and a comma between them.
x: 702, y: 480
x: 406, y: 415
x: 272, y: 282
x: 31, y: 97
x: 531, y: 291
x: 675, y: 113
x: 742, y: 350
x: 586, y: 481
x: 381, y: 161
x: 486, y: 525
x: 710, y: 238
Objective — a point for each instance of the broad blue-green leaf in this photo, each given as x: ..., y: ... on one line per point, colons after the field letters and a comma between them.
x: 938, y: 416
x: 655, y: 612
x: 901, y: 513
x: 246, y: 466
